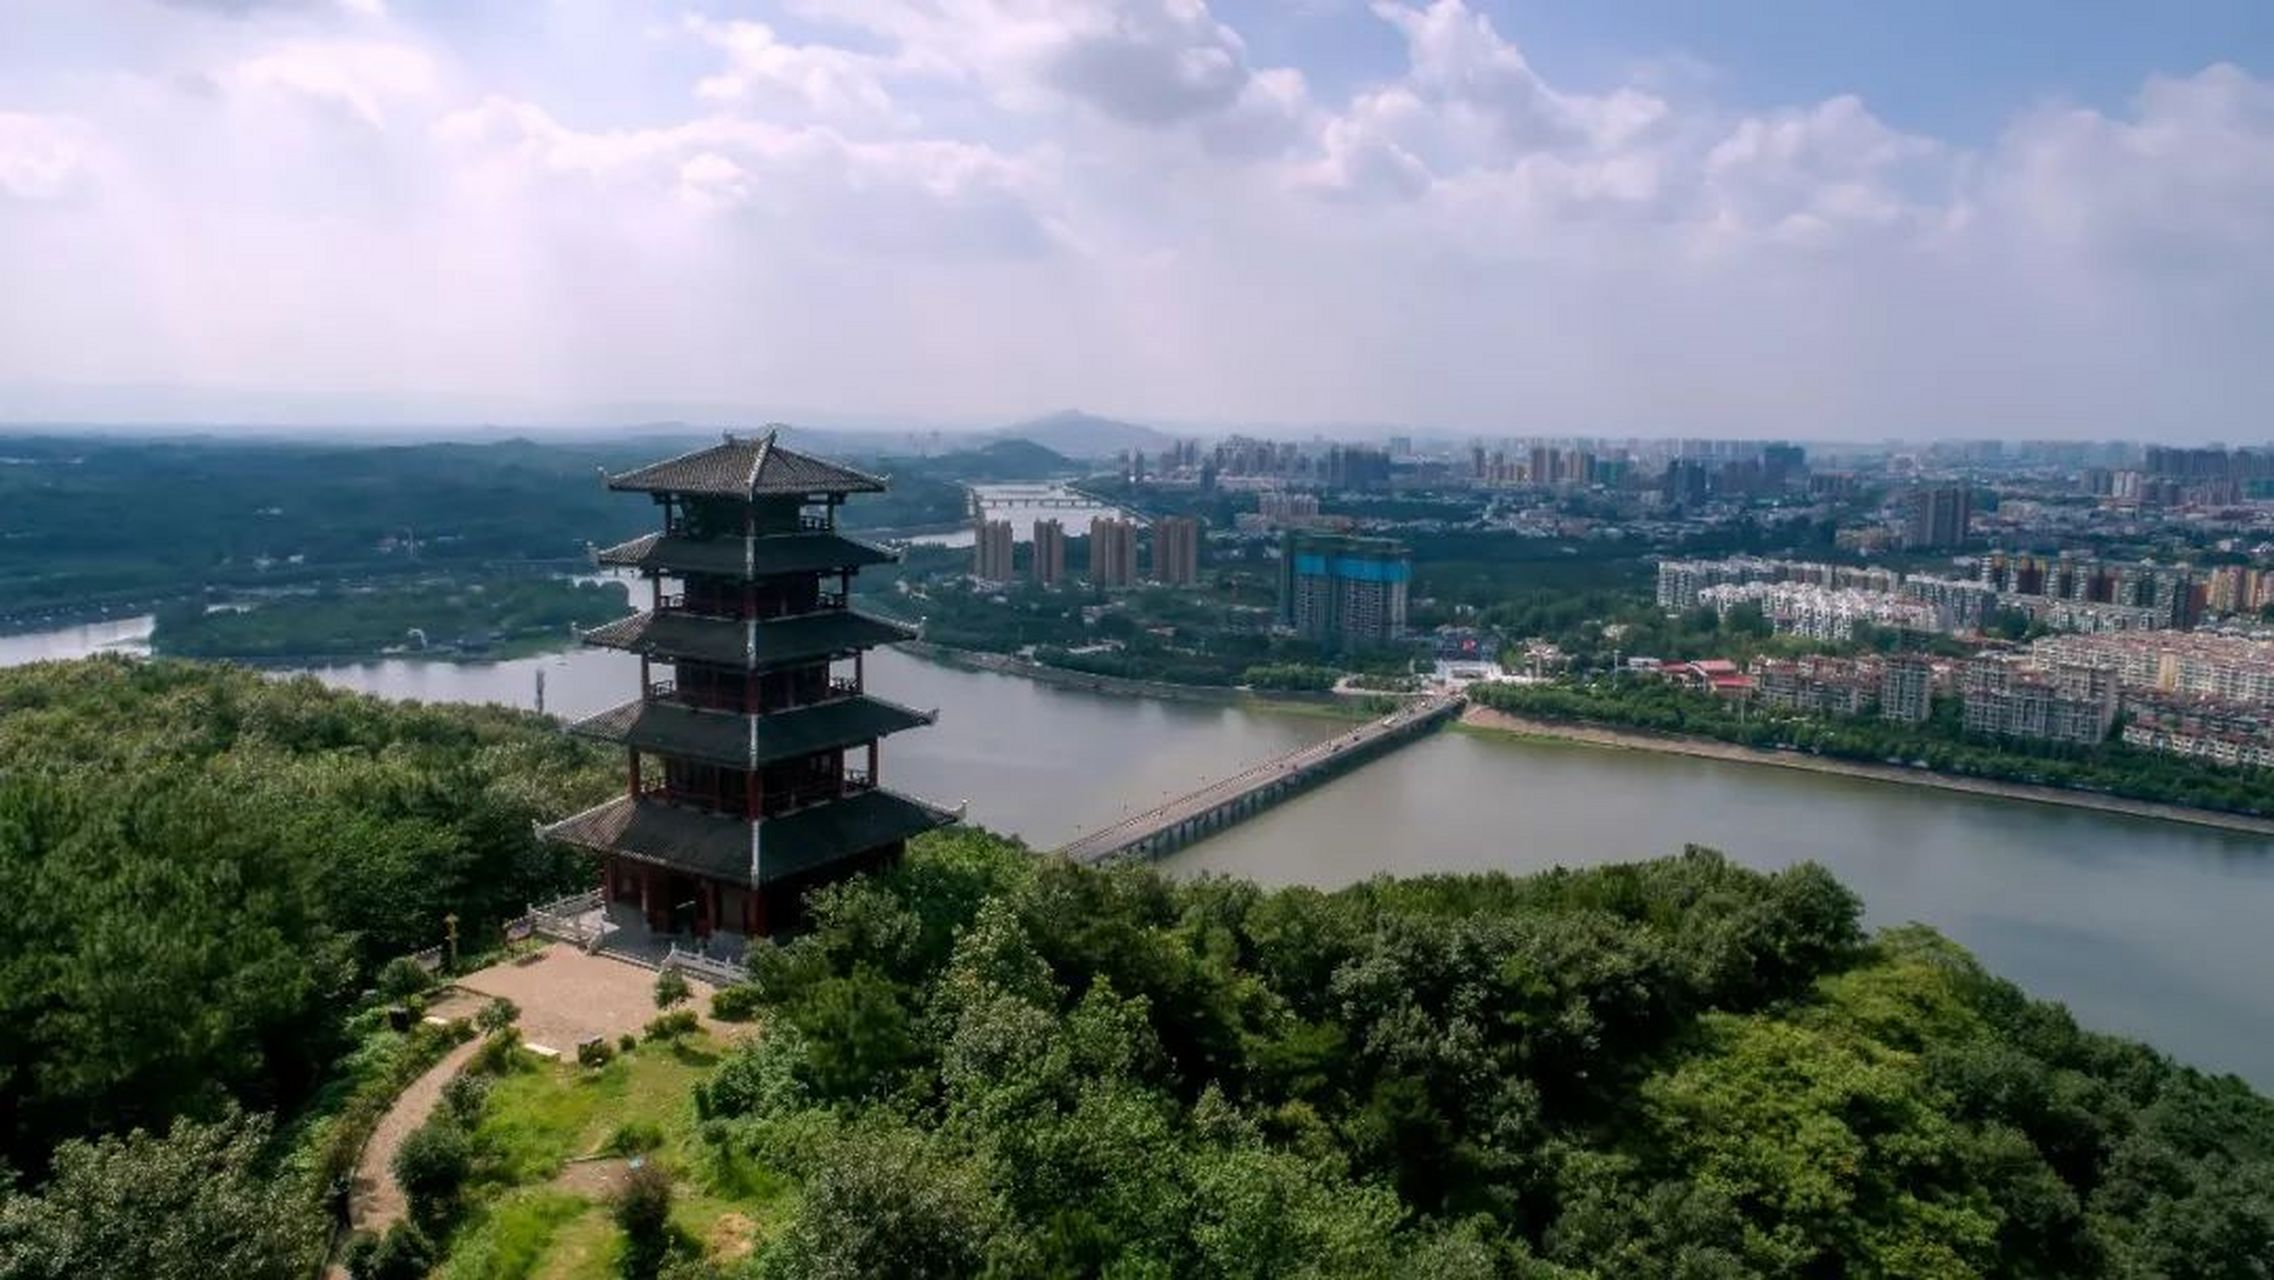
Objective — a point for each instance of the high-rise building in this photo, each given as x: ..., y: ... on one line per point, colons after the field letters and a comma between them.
x: 1049, y: 552
x: 1357, y: 468
x: 1685, y: 481
x: 1113, y: 551
x: 1343, y: 592
x: 1938, y: 516
x: 991, y: 550
x: 1176, y: 551
x: 750, y: 763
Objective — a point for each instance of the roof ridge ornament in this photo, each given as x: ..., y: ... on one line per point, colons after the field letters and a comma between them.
x: 758, y: 458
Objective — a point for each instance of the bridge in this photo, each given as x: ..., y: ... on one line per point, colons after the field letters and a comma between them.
x: 1038, y: 497
x: 1167, y: 828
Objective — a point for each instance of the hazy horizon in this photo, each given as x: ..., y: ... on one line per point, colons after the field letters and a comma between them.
x: 1451, y: 217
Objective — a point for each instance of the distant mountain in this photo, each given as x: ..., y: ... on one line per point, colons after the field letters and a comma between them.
x: 999, y: 461
x: 1084, y: 435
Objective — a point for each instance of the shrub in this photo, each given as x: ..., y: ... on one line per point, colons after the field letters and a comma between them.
x: 463, y: 1096
x: 595, y: 1052
x: 401, y: 978
x: 671, y: 988
x: 739, y: 1003
x: 497, y: 1015
x: 672, y: 1026
x: 635, y: 1138
x: 499, y: 1054
x: 627, y: 1042
x: 431, y: 1167
x: 404, y: 1253
x: 643, y: 1212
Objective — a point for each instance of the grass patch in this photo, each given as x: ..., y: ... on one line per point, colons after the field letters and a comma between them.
x: 511, y: 1236
x: 543, y: 1114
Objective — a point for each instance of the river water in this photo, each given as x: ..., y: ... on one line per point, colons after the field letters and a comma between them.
x: 2152, y: 929
x: 1024, y: 504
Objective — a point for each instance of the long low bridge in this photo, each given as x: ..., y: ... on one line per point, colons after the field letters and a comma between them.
x: 1166, y: 828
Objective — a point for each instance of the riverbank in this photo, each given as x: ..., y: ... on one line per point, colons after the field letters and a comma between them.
x: 1285, y: 700
x: 1487, y: 720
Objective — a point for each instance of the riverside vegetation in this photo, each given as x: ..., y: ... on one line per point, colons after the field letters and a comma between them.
x: 1939, y: 743
x: 484, y: 616
x: 985, y: 1062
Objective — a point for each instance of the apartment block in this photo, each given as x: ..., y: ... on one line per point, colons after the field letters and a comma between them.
x: 2007, y: 698
x: 991, y: 550
x: 1176, y: 551
x: 1113, y: 551
x: 1344, y: 592
x: 1906, y: 687
x: 1049, y: 567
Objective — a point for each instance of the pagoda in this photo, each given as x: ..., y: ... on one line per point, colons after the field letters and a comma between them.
x: 739, y: 796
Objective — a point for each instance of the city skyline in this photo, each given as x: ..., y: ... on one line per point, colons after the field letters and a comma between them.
x: 1460, y: 217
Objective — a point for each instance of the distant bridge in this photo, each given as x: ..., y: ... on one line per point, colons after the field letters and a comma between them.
x: 1046, y: 497
x: 1167, y: 828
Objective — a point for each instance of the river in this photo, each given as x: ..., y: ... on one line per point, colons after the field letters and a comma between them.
x: 2153, y: 929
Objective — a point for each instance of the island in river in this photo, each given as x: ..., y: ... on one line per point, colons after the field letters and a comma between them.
x: 447, y: 616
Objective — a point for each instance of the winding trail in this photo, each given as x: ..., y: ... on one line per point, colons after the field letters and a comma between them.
x: 374, y: 1201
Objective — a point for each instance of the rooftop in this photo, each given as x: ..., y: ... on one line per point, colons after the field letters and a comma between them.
x: 746, y: 467
x: 745, y: 557
x: 738, y: 741
x: 736, y: 642
x: 757, y: 853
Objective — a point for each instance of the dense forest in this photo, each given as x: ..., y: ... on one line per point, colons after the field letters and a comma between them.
x: 1939, y: 743
x: 208, y: 867
x: 481, y: 615
x: 179, y: 515
x: 984, y: 1062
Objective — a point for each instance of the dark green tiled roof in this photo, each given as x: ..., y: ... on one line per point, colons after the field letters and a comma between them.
x: 746, y: 557
x: 746, y: 742
x: 747, y: 467
x: 776, y: 642
x: 725, y: 848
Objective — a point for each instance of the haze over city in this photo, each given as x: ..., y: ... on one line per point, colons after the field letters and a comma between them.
x: 1827, y: 222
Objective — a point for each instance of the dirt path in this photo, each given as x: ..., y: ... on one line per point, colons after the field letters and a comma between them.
x: 1710, y: 749
x: 375, y: 1202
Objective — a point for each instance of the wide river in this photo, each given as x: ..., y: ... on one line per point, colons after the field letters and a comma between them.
x: 2153, y: 929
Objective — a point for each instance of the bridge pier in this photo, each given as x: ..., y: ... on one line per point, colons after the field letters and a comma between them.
x: 1213, y: 808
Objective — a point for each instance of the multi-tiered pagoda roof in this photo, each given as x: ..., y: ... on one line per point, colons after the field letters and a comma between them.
x: 754, y: 801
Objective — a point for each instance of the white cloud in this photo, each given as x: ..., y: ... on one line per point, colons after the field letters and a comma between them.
x: 969, y: 208
x: 42, y: 157
x: 366, y: 78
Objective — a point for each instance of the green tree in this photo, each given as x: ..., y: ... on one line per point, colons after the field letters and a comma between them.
x: 190, y: 1205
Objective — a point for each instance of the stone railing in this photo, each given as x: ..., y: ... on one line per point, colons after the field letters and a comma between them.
x: 571, y: 919
x: 719, y: 973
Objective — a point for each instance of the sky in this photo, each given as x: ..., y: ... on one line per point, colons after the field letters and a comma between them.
x: 1815, y: 218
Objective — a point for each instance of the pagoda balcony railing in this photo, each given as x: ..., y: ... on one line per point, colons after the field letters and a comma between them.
x: 829, y: 600
x: 843, y: 687
x: 662, y: 690
x: 813, y: 524
x: 773, y: 803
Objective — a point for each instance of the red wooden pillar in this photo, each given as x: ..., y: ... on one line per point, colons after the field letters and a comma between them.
x: 873, y: 781
x: 632, y: 770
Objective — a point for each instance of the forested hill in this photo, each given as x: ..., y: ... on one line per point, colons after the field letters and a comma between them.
x: 206, y: 867
x: 988, y: 1063
x: 108, y: 520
